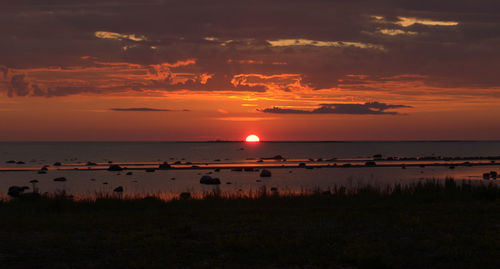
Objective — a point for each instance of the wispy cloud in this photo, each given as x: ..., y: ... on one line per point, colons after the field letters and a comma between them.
x: 145, y: 109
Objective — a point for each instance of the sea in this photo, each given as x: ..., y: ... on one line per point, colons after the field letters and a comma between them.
x: 294, y: 166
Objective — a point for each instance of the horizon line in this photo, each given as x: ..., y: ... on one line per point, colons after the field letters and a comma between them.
x: 239, y: 141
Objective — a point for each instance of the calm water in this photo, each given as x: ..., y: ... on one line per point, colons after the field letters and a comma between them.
x: 36, y: 154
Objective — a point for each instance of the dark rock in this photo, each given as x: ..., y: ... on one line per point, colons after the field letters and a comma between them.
x: 493, y: 174
x: 185, y: 195
x: 92, y: 179
x: 42, y: 172
x: 118, y: 189
x: 237, y: 169
x: 217, y: 170
x: 11, y: 161
x: 229, y: 183
x: 209, y: 180
x: 248, y: 169
x: 177, y: 162
x: 105, y: 183
x: 91, y: 164
x: 20, y: 162
x: 129, y: 173
x: 302, y: 165
x: 172, y: 178
x: 114, y: 167
x: 451, y: 167
x: 274, y: 191
x: 377, y: 156
x: 44, y: 168
x: 265, y: 173
x: 60, y: 179
x: 150, y: 170
x: 370, y: 163
x: 164, y: 166
x: 57, y: 164
x: 16, y: 191
x: 346, y: 165
x: 486, y: 176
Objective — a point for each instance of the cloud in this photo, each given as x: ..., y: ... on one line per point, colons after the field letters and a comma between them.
x: 145, y: 109
x: 117, y: 36
x: 4, y: 70
x: 18, y: 86
x: 449, y: 45
x: 318, y: 43
x: 371, y: 108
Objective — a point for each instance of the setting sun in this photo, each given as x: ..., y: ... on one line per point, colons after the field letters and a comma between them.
x: 252, y: 138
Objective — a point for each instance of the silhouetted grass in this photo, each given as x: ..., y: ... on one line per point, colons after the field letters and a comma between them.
x: 424, y: 225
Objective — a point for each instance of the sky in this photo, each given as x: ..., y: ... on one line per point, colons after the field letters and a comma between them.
x: 177, y: 70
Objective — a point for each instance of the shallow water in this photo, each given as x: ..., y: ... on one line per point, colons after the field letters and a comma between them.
x: 290, y: 179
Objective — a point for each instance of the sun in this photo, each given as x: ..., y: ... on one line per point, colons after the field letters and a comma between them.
x: 252, y: 138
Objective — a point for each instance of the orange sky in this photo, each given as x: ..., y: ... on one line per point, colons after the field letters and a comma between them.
x: 72, y: 72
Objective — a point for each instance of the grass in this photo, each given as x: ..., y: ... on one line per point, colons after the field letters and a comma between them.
x: 425, y: 225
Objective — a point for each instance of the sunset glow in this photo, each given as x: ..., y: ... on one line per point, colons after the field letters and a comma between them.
x: 252, y: 139
x: 350, y: 72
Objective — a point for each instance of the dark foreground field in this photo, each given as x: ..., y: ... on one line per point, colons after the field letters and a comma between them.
x: 424, y: 226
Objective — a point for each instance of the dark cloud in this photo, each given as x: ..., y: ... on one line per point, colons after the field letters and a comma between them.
x: 371, y: 108
x: 58, y: 33
x: 144, y: 109
x: 4, y: 70
x: 18, y: 86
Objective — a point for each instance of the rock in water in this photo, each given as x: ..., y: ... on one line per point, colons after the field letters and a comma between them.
x: 265, y: 173
x: 209, y: 180
x: 114, y: 167
x: 164, y: 166
x: 60, y: 179
x: 118, y: 189
x: 16, y: 191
